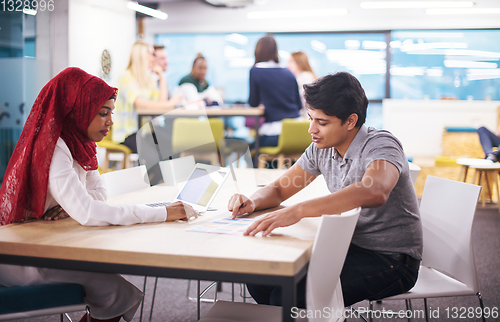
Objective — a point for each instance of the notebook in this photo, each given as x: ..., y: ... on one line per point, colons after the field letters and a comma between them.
x: 200, y: 189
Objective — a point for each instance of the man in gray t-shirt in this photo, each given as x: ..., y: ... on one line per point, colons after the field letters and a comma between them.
x: 363, y: 167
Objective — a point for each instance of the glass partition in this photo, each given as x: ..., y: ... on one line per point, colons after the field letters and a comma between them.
x: 436, y: 64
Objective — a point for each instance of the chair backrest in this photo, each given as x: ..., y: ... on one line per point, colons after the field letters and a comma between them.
x: 447, y: 209
x: 193, y: 133
x: 177, y: 170
x: 126, y: 180
x: 294, y: 137
x: 327, y: 259
x: 414, y: 171
x: 23, y: 302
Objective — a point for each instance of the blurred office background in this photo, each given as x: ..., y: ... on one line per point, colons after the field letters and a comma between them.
x: 421, y: 53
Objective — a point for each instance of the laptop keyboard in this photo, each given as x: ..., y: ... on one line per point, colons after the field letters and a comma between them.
x: 158, y: 204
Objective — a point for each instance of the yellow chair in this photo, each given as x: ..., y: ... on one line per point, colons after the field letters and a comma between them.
x: 293, y: 140
x: 192, y: 136
x: 113, y: 147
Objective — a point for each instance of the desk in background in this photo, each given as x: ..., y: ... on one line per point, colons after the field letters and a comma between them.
x: 167, y: 249
x: 211, y: 112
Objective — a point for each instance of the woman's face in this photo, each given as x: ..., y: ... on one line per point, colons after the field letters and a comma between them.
x: 200, y: 69
x: 101, y: 123
x: 292, y: 66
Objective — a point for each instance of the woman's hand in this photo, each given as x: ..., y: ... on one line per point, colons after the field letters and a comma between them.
x: 157, y: 70
x: 239, y: 205
x: 55, y: 213
x: 180, y: 211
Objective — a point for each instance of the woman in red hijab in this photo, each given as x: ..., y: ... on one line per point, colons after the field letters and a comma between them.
x: 53, y: 174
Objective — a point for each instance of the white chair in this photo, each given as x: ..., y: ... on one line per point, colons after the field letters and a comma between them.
x: 414, y: 171
x: 448, y: 267
x: 176, y: 171
x: 323, y: 279
x: 126, y: 180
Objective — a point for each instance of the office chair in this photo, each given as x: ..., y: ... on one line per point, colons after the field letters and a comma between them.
x: 292, y: 142
x: 21, y: 302
x: 448, y: 267
x: 323, y: 288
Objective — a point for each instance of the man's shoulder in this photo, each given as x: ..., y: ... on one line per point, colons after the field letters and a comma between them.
x: 376, y: 136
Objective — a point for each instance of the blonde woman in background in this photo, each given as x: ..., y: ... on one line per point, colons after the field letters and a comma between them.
x: 138, y: 89
x: 299, y: 65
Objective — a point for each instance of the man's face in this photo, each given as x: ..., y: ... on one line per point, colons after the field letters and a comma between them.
x: 161, y: 58
x: 328, y: 131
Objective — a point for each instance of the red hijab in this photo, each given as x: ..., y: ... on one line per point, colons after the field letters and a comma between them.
x: 65, y: 107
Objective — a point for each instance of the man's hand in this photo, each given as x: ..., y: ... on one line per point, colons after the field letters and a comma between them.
x: 180, y: 211
x: 55, y: 213
x: 239, y: 205
x: 280, y: 218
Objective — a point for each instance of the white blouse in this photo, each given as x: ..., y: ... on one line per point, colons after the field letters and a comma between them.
x: 82, y: 195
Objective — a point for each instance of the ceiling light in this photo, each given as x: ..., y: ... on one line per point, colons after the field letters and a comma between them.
x: 296, y: 13
x: 415, y: 4
x: 146, y: 10
x: 468, y: 64
x: 318, y: 46
x: 464, y: 11
x: 29, y: 11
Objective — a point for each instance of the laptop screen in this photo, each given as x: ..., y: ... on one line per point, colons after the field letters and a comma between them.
x: 201, y: 186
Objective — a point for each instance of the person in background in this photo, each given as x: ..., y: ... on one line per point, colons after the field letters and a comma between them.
x: 488, y: 140
x: 274, y: 88
x: 161, y: 59
x: 139, y: 90
x: 195, y: 87
x: 299, y: 65
x: 197, y: 75
x: 52, y: 174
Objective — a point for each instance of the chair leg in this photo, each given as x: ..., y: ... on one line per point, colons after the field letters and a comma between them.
x: 262, y: 161
x: 126, y: 160
x: 144, y: 292
x: 408, y: 308
x: 105, y: 166
x: 426, y: 311
x: 198, y: 307
x: 281, y: 161
x: 89, y: 318
x: 482, y: 305
x: 370, y: 311
x: 153, y: 300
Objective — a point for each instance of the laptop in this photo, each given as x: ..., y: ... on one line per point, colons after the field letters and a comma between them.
x: 200, y: 189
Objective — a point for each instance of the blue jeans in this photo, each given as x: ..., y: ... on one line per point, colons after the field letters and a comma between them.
x: 366, y: 275
x: 488, y: 141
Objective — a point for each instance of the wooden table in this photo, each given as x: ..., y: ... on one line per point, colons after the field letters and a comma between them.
x: 484, y: 169
x: 214, y: 111
x: 167, y: 249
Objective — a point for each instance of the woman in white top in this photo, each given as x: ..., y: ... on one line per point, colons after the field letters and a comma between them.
x: 299, y: 65
x: 53, y: 174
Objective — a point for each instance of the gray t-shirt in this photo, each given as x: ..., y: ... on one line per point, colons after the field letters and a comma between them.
x: 394, y: 227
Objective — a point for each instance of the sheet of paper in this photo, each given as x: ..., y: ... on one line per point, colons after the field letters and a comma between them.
x: 224, y: 226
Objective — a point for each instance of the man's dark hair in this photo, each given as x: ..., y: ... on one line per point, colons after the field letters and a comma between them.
x: 338, y: 95
x: 156, y: 47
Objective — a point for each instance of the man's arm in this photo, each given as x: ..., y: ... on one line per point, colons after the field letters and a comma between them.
x: 371, y: 192
x: 272, y: 195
